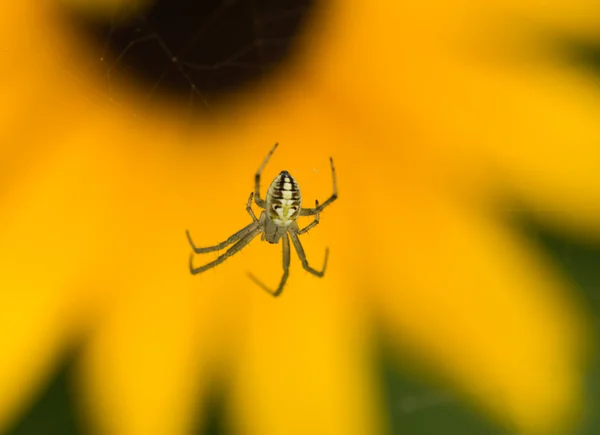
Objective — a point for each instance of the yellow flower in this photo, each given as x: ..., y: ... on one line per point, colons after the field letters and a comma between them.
x: 431, y: 110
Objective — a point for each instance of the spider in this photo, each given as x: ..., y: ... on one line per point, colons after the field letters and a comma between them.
x: 282, y: 206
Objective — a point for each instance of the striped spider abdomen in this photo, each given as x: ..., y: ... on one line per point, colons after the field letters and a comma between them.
x: 284, y: 200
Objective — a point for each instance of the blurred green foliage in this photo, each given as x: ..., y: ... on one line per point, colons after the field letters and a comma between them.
x: 580, y: 262
x: 54, y: 412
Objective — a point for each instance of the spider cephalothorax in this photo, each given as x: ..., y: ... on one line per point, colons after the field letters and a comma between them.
x: 282, y: 206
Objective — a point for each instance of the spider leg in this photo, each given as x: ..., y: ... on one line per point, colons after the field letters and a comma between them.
x: 312, y: 224
x: 285, y: 243
x: 234, y: 238
x: 333, y: 197
x: 260, y: 202
x: 302, y: 255
x: 234, y: 249
x: 249, y: 208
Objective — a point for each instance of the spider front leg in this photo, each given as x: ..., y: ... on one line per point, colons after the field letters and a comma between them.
x: 249, y: 208
x: 242, y: 243
x: 313, y: 223
x: 260, y: 202
x: 302, y: 255
x: 285, y: 243
x: 234, y: 238
x: 333, y: 197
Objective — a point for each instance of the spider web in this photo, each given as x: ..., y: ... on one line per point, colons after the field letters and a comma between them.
x: 195, y: 53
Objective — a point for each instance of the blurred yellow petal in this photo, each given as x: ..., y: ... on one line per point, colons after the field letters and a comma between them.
x: 302, y: 366
x: 157, y: 346
x: 491, y: 315
x: 580, y: 17
x: 153, y: 353
x: 554, y: 112
x: 35, y: 334
x: 477, y: 106
x: 46, y: 254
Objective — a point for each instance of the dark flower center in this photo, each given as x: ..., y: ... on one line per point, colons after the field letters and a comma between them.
x: 198, y: 50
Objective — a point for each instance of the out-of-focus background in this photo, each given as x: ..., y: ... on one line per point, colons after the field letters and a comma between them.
x: 413, y: 404
x: 123, y: 123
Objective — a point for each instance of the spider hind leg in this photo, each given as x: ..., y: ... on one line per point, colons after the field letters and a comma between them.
x: 302, y: 255
x: 285, y: 243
